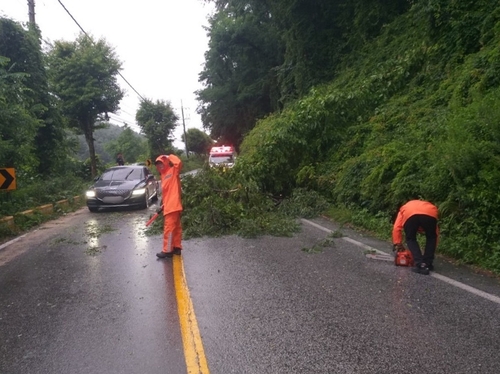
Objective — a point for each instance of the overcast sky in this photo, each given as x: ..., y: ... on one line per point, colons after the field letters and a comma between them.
x: 161, y: 44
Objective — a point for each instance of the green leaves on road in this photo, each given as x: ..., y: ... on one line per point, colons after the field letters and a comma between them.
x: 221, y: 201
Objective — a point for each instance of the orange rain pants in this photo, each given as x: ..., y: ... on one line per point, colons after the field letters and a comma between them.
x: 172, y: 231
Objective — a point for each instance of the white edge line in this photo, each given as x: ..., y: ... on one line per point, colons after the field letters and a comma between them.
x: 465, y: 287
x: 12, y: 241
x: 443, y: 278
x: 359, y: 244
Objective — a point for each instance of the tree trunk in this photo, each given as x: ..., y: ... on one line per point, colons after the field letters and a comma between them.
x: 89, y: 137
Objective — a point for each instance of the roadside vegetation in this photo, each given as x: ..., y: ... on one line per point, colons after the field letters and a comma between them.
x: 55, y: 96
x: 407, y: 107
x: 219, y: 201
x: 346, y: 107
x: 33, y: 192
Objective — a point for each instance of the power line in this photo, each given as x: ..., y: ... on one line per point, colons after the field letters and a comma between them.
x: 81, y: 28
x: 121, y: 120
x: 124, y: 111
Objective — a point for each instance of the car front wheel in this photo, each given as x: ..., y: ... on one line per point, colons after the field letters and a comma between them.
x: 145, y: 204
x: 157, y: 194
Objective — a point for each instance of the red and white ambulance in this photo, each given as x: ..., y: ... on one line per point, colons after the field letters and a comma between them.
x: 222, y: 156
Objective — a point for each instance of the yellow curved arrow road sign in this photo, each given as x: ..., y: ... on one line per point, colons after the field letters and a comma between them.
x: 8, y: 179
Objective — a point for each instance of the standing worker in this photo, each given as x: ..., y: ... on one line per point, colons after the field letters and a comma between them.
x: 415, y: 216
x: 169, y: 168
x: 119, y: 159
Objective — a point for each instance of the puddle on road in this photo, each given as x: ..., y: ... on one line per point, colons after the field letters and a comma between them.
x: 128, y: 223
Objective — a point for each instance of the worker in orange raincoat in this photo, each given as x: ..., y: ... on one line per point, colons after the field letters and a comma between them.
x: 417, y: 216
x: 169, y: 168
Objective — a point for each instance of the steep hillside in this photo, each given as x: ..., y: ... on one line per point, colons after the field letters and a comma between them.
x: 416, y: 113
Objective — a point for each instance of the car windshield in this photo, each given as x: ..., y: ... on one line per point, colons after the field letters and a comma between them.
x: 221, y: 159
x: 122, y: 174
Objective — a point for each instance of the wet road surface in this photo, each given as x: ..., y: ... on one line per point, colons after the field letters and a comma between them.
x: 86, y: 294
x: 273, y: 305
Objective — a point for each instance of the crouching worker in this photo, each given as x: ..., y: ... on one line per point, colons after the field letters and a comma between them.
x: 169, y: 168
x: 417, y: 216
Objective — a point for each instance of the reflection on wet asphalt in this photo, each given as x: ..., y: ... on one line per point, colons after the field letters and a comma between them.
x: 89, y: 296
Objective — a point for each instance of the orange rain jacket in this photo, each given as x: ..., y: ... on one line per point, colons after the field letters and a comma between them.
x: 411, y: 208
x: 171, y: 183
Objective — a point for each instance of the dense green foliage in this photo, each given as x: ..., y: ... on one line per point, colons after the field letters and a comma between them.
x: 32, y: 193
x: 413, y: 113
x: 240, y: 82
x: 83, y: 76
x: 31, y: 129
x: 33, y: 140
x: 367, y: 103
x: 197, y: 142
x: 130, y: 144
x: 45, y: 97
x: 220, y: 201
x: 157, y: 121
x: 264, y: 55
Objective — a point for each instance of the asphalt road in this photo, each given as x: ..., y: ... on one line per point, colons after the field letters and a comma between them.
x: 86, y: 294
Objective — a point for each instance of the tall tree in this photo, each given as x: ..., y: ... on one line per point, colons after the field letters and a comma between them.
x: 83, y: 75
x: 198, y: 142
x: 239, y: 76
x: 22, y: 48
x: 264, y: 54
x: 17, y: 125
x: 315, y: 34
x: 157, y: 121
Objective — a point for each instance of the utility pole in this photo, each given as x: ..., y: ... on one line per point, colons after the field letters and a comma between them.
x: 185, y: 136
x: 31, y: 11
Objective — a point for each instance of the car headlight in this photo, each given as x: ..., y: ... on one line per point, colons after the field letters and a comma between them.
x: 140, y: 191
x: 90, y: 193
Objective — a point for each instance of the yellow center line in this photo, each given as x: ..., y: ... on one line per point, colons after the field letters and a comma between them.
x: 194, y: 354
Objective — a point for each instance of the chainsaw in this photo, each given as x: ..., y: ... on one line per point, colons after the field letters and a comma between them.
x: 402, y: 256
